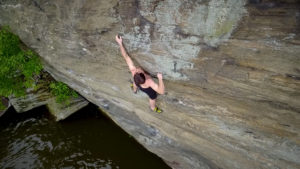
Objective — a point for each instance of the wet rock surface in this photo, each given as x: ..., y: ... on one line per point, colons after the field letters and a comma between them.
x: 231, y: 69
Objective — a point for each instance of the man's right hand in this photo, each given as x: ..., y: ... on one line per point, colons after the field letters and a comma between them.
x: 119, y: 39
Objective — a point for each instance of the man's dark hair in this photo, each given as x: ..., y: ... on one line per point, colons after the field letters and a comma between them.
x: 139, y: 78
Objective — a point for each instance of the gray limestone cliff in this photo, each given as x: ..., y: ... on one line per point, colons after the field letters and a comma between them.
x: 231, y: 70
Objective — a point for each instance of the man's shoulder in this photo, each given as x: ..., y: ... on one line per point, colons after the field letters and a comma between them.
x: 151, y: 82
x: 132, y: 70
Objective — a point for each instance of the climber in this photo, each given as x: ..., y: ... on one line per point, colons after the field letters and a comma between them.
x: 143, y: 80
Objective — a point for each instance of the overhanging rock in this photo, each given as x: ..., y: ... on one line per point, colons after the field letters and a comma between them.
x: 231, y: 71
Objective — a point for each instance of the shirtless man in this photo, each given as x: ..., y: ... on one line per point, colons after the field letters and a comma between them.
x: 142, y: 80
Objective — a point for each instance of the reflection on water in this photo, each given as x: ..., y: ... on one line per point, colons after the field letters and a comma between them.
x: 85, y: 140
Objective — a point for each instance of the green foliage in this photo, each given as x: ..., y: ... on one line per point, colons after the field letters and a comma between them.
x: 62, y: 92
x: 2, y: 106
x: 18, y: 67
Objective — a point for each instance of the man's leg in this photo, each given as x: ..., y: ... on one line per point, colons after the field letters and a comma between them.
x: 152, y: 103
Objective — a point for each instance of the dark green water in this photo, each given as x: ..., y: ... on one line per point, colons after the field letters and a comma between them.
x: 87, y: 139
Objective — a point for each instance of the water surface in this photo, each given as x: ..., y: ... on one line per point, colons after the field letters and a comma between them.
x: 87, y: 139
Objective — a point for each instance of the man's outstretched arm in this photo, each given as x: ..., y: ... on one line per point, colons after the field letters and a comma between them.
x: 160, y: 88
x: 128, y: 60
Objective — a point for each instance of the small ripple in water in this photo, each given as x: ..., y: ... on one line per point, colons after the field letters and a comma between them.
x: 85, y: 140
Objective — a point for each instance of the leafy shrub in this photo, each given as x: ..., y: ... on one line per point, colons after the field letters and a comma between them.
x: 62, y: 92
x: 2, y: 106
x: 18, y: 67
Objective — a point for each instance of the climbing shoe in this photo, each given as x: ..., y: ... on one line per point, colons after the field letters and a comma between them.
x: 157, y: 110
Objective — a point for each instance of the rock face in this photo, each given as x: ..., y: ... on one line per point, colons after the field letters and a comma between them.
x: 231, y: 72
x: 42, y: 96
x: 6, y: 104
